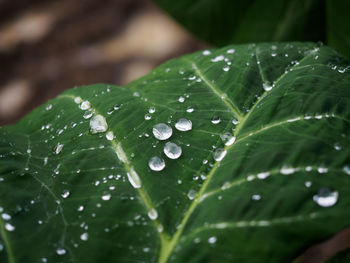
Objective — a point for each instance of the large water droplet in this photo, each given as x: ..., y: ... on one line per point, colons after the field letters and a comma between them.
x: 58, y: 148
x: 219, y: 154
x: 153, y: 214
x: 227, y: 138
x: 267, y: 86
x: 215, y: 120
x: 152, y: 110
x: 98, y: 124
x: 183, y: 124
x: 156, y: 163
x: 172, y: 150
x: 85, y: 105
x: 162, y: 131
x: 326, y: 197
x: 134, y: 178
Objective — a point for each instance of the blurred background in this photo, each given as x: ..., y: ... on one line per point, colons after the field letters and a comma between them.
x: 47, y: 46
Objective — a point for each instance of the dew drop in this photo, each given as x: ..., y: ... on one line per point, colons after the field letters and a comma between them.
x: 148, y: 117
x: 85, y: 105
x: 346, y: 169
x: 256, y: 197
x: 106, y: 197
x: 337, y: 146
x: 152, y: 110
x: 267, y: 86
x: 227, y: 138
x: 325, y: 197
x: 191, y: 194
x: 134, y: 178
x: 60, y: 251
x: 110, y: 136
x: 263, y: 175
x: 58, y: 148
x: 84, y: 236
x: 218, y: 58
x: 156, y: 163
x: 9, y: 227
x: 162, y: 131
x: 65, y: 194
x: 80, y: 208
x: 6, y: 216
x: 287, y: 170
x: 152, y: 214
x: 235, y: 121
x: 189, y: 110
x: 322, y: 170
x: 87, y: 114
x: 172, y: 150
x: 215, y: 120
x: 219, y: 154
x: 77, y: 100
x: 183, y: 124
x: 98, y: 124
x: 206, y: 52
x: 308, y: 184
x: 181, y: 99
x: 212, y: 240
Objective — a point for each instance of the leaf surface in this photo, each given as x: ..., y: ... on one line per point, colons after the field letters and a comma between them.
x: 68, y: 195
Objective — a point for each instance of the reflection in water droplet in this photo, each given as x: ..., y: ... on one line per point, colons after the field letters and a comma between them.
x: 227, y: 138
x: 84, y: 236
x: 346, y: 169
x: 65, y: 194
x: 85, y: 105
x: 172, y: 150
x: 215, y: 120
x: 88, y: 114
x: 325, y: 197
x: 219, y: 154
x: 191, y: 194
x: 58, y: 148
x: 156, y: 163
x: 98, y: 124
x: 60, y: 251
x: 152, y: 214
x: 183, y: 124
x: 162, y: 131
x: 110, y: 136
x: 287, y: 170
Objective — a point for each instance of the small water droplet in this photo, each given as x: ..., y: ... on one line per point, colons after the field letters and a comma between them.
x: 60, y: 251
x: 346, y: 169
x: 227, y: 68
x: 9, y: 227
x: 88, y: 114
x: 77, y: 100
x: 287, y: 170
x: 85, y: 105
x: 337, y: 146
x: 212, y: 240
x: 263, y: 175
x: 256, y: 197
x: 191, y: 194
x: 308, y: 184
x: 322, y: 170
x: 152, y: 110
x: 189, y: 109
x: 116, y: 107
x: 218, y: 58
x: 148, y: 117
x: 65, y: 194
x: 6, y: 216
x: 80, y: 208
x: 156, y: 163
x: 326, y: 197
x: 98, y: 124
x: 152, y: 214
x: 206, y: 52
x: 106, y: 197
x: 58, y: 148
x: 227, y: 138
x: 162, y: 131
x: 84, y: 236
x: 215, y: 120
x: 110, y: 136
x: 181, y: 99
x: 183, y: 124
x: 235, y: 121
x: 172, y: 150
x: 219, y: 154
x: 267, y: 86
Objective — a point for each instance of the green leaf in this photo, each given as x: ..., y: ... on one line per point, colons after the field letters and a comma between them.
x: 70, y: 195
x: 225, y: 22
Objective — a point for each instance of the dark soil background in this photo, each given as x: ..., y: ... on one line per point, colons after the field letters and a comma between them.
x: 47, y: 46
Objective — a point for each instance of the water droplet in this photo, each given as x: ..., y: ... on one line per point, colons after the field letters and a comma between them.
x: 227, y: 68
x: 325, y: 197
x: 162, y: 131
x: 191, y: 194
x: 134, y: 178
x: 263, y: 175
x: 6, y: 216
x: 58, y: 148
x: 110, y: 136
x: 156, y: 163
x: 85, y: 105
x: 287, y: 170
x: 308, y: 184
x: 218, y: 58
x: 84, y: 236
x: 215, y: 120
x: 256, y: 197
x: 77, y: 100
x: 106, y: 197
x: 98, y: 124
x: 346, y: 169
x: 219, y: 154
x: 235, y: 121
x: 227, y: 138
x: 88, y: 114
x: 212, y: 240
x: 1, y: 247
x: 181, y: 99
x: 337, y: 146
x: 183, y: 124
x: 189, y: 109
x: 322, y: 170
x: 116, y: 107
x: 80, y: 208
x: 172, y: 150
x: 231, y: 51
x: 9, y: 227
x: 60, y: 251
x: 267, y: 86
x: 65, y: 194
x: 152, y: 214
x: 206, y: 52
x: 152, y: 110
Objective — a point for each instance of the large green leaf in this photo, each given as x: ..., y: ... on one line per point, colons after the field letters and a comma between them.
x: 68, y: 195
x: 223, y: 22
